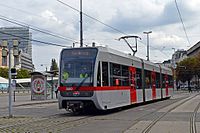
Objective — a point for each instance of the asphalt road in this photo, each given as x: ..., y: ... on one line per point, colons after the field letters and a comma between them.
x: 173, y: 115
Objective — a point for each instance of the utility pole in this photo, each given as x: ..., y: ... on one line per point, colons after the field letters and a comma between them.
x: 81, y: 25
x: 147, y: 43
x: 9, y: 86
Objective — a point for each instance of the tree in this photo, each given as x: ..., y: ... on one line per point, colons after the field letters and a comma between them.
x: 54, y: 66
x: 21, y: 73
x: 186, y: 69
x: 4, y: 72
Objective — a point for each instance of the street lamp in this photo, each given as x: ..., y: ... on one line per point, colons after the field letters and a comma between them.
x: 147, y: 43
x: 10, y: 45
x: 81, y: 25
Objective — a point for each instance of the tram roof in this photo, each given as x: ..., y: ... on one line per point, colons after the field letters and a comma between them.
x: 125, y: 55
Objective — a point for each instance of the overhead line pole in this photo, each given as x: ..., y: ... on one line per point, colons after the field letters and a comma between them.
x: 147, y: 43
x: 81, y: 25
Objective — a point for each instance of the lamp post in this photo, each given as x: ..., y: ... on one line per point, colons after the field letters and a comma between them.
x: 10, y: 45
x: 147, y: 43
x: 81, y: 25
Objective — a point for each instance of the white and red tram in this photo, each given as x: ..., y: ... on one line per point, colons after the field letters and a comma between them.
x: 109, y: 79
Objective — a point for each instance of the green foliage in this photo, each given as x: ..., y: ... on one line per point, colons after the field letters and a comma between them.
x: 186, y: 69
x: 54, y: 66
x: 4, y: 72
x: 21, y: 73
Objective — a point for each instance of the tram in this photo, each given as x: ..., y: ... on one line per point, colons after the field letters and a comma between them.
x: 107, y: 79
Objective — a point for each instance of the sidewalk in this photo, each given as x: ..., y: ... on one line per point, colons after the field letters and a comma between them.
x: 22, y: 99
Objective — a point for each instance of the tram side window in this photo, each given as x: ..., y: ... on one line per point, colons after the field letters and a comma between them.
x: 115, y: 73
x: 105, y: 73
x: 163, y: 81
x: 171, y: 82
x: 157, y: 80
x: 99, y: 76
x: 147, y: 79
x: 138, y: 79
x: 125, y: 75
x: 119, y: 75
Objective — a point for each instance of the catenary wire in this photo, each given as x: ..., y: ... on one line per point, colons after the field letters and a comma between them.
x: 34, y: 28
x: 184, y: 29
x: 113, y: 28
x: 34, y: 40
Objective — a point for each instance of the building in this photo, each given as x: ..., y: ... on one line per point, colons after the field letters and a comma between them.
x: 23, y: 36
x: 194, y: 50
x: 178, y: 56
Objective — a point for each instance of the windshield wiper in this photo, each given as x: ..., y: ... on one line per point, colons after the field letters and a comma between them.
x: 81, y: 83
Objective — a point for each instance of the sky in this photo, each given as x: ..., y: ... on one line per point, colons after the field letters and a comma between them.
x: 127, y: 17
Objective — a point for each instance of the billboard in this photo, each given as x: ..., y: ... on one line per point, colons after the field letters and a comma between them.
x: 38, y: 87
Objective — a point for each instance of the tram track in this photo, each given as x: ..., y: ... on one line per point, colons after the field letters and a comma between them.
x: 61, y: 122
x: 45, y: 124
x: 153, y: 123
x: 148, y: 128
x: 193, y: 128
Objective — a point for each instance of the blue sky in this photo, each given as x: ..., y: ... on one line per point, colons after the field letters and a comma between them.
x: 132, y: 17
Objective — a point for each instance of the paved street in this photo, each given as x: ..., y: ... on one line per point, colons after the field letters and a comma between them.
x: 168, y: 116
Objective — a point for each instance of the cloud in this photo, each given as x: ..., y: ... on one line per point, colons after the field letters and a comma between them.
x: 129, y: 16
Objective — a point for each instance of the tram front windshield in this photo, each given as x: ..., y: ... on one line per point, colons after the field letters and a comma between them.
x: 77, y: 67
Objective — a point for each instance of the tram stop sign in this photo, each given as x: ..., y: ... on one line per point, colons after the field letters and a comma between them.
x: 13, y: 84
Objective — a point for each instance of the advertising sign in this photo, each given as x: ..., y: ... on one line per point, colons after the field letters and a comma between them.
x: 38, y: 87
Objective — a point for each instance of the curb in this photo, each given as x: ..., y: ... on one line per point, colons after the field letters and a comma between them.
x: 33, y: 103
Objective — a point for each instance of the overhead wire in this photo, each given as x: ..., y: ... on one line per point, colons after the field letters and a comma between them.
x: 58, y: 36
x: 113, y: 28
x: 34, y: 28
x: 184, y: 29
x: 34, y: 40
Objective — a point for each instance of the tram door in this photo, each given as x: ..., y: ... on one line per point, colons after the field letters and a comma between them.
x: 166, y: 85
x: 133, y: 93
x: 153, y: 84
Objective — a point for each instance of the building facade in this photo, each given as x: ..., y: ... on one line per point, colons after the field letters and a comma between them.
x: 194, y: 50
x: 178, y: 56
x: 24, y: 37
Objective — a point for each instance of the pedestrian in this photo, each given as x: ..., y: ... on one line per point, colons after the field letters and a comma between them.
x: 189, y: 88
x: 56, y: 90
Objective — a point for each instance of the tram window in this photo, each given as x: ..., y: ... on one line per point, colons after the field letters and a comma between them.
x: 119, y: 73
x: 105, y: 73
x: 125, y: 75
x: 147, y: 79
x: 138, y: 79
x: 171, y: 82
x: 116, y: 69
x: 99, y: 76
x: 115, y: 74
x: 163, y: 81
x: 157, y: 80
